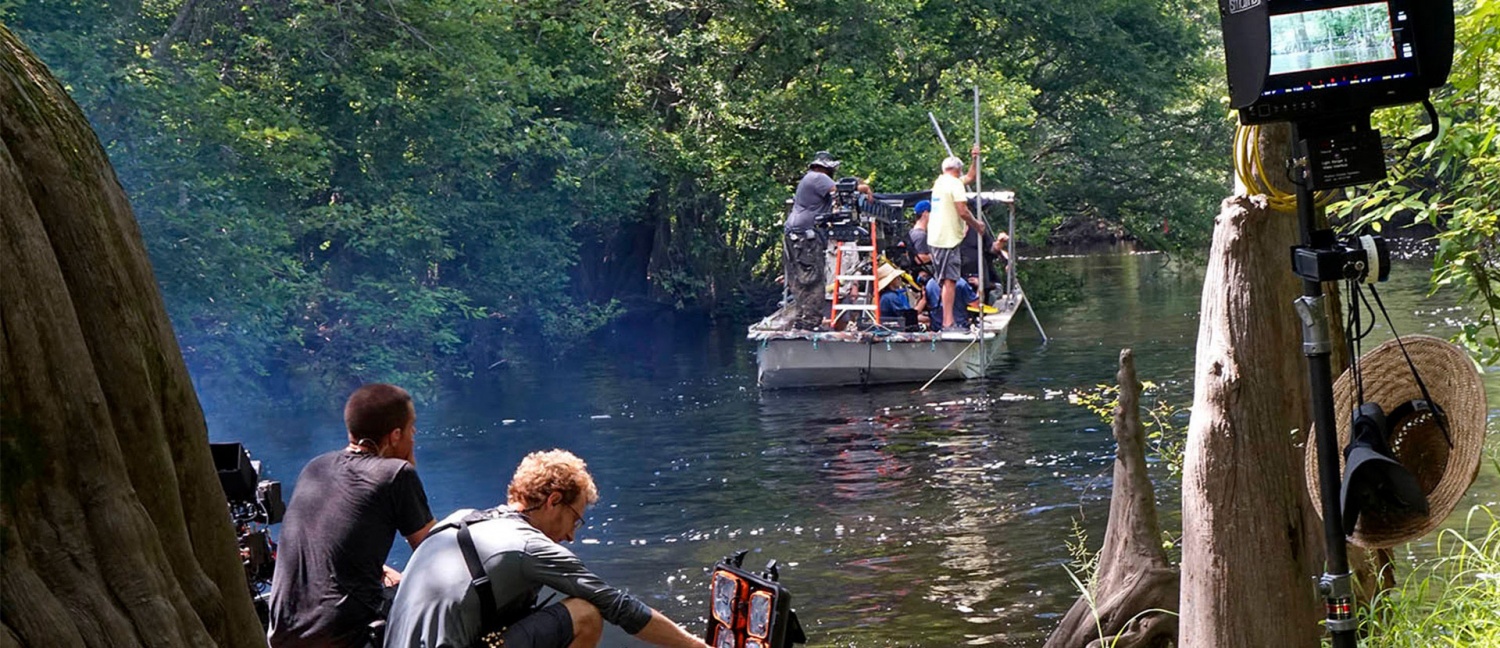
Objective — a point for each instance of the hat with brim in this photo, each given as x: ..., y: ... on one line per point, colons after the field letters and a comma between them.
x: 824, y: 159
x: 886, y: 275
x: 1417, y: 441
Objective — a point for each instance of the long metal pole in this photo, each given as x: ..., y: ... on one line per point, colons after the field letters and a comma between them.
x: 1010, y: 254
x: 945, y: 367
x: 984, y: 360
x: 939, y: 130
x: 1336, y: 585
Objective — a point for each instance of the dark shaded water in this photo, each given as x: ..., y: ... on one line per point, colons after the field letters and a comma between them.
x: 934, y: 519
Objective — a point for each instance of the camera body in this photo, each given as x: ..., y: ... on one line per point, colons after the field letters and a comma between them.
x: 251, y: 499
x: 843, y: 221
x: 254, y: 505
x: 1364, y: 258
x: 846, y: 195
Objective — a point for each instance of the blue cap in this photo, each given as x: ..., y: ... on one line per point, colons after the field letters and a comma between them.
x: 923, y: 206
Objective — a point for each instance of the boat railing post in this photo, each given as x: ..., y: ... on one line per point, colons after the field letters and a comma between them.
x: 979, y: 238
x: 1010, y: 256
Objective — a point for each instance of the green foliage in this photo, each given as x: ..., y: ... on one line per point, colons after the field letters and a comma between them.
x: 1164, y: 422
x: 1450, y: 599
x: 1085, y: 584
x: 1453, y: 183
x: 1083, y: 565
x: 367, y: 189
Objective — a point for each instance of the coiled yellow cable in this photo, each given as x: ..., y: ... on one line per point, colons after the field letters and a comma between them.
x: 1251, y: 170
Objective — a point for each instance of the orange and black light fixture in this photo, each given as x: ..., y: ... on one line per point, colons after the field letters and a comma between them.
x: 750, y: 610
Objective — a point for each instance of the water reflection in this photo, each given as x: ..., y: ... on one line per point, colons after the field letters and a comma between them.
x: 934, y: 518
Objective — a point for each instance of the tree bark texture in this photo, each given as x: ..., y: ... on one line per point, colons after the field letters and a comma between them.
x: 113, y: 527
x: 1134, y: 597
x: 1249, y: 542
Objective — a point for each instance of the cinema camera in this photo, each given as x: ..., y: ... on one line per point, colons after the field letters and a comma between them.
x: 749, y: 610
x: 851, y: 219
x: 254, y: 505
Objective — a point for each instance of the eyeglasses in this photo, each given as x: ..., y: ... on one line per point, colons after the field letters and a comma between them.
x: 577, y: 518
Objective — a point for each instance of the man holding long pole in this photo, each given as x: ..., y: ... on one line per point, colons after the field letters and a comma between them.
x: 946, y: 227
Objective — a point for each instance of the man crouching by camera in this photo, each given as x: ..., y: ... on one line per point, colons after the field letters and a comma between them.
x: 346, y: 508
x: 476, y: 579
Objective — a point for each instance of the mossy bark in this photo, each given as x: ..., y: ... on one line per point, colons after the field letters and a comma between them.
x: 113, y: 528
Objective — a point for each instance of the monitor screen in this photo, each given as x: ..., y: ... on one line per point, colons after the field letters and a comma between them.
x: 1333, y: 37
x: 1314, y: 58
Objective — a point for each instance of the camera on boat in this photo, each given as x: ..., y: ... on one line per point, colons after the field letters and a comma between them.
x: 254, y: 505
x: 851, y: 219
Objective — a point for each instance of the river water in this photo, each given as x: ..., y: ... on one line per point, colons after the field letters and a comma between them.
x: 899, y: 518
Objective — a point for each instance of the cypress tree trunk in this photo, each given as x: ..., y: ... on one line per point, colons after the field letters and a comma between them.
x: 113, y: 527
x: 1249, y: 551
x: 1135, y: 591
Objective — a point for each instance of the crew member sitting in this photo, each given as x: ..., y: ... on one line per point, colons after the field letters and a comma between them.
x: 963, y: 290
x: 345, y: 512
x: 895, y: 306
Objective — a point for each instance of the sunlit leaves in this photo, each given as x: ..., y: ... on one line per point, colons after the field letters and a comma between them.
x: 1453, y: 184
x: 501, y: 171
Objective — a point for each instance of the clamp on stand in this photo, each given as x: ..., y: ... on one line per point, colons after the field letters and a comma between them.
x: 1338, y: 603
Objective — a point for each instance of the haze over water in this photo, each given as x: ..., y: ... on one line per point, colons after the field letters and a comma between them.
x: 899, y: 518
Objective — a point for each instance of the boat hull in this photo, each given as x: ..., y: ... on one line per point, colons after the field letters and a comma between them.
x: 813, y: 362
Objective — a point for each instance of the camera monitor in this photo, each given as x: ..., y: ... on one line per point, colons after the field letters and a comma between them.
x: 1328, y: 58
x: 1332, y: 38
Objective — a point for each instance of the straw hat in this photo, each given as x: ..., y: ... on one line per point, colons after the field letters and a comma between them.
x: 887, y: 274
x: 1443, y: 473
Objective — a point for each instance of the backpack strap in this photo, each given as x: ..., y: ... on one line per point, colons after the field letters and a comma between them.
x: 479, y: 579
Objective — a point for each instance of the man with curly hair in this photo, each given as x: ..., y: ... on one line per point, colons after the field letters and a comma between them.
x: 475, y: 580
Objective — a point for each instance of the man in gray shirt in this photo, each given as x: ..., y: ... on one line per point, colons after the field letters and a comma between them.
x: 804, y: 248
x: 513, y: 551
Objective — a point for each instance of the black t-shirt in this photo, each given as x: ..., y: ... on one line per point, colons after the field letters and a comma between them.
x: 968, y: 252
x: 345, y: 512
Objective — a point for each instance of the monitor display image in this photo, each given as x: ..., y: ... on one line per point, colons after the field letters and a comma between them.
x: 1333, y: 37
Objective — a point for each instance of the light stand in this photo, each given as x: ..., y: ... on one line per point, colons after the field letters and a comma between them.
x: 1332, y: 153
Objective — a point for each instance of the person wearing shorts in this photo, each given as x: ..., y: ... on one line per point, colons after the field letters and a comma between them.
x: 515, y: 551
x: 946, y: 226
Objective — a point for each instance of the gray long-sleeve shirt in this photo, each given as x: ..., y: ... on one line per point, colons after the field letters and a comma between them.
x: 434, y: 606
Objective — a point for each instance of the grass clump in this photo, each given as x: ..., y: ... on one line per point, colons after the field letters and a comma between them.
x: 1450, y: 599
